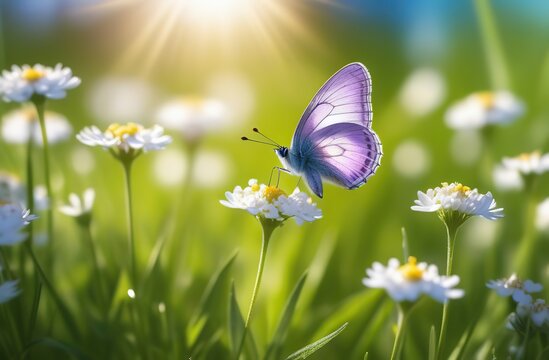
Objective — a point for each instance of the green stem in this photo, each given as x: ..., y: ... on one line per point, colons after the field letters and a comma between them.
x: 268, y: 226
x: 86, y: 232
x: 401, y: 325
x: 129, y: 211
x: 494, y: 54
x: 39, y: 103
x: 528, y: 240
x: 451, y: 232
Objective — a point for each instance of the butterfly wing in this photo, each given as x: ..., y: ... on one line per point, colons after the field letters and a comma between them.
x: 334, y: 136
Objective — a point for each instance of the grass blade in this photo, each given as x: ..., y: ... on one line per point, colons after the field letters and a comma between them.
x: 273, y: 352
x: 236, y: 329
x: 308, y: 350
x: 432, y: 344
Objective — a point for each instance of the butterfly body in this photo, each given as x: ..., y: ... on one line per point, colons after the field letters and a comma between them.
x: 334, y: 140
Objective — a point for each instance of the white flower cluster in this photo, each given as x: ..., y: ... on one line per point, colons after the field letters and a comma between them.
x: 12, y: 220
x: 125, y: 138
x: 409, y: 281
x: 456, y: 197
x: 482, y: 109
x: 270, y: 202
x: 20, y: 124
x: 509, y: 175
x: 537, y: 311
x: 22, y: 82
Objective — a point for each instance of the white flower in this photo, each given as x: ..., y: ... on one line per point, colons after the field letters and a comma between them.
x: 484, y: 108
x: 12, y: 220
x: 460, y: 199
x: 8, y: 290
x: 409, y: 281
x: 506, y: 179
x: 126, y: 138
x: 79, y: 206
x: 193, y: 117
x: 270, y: 202
x: 542, y: 216
x: 528, y: 163
x: 516, y: 288
x: 19, y: 124
x: 423, y: 91
x: 537, y: 310
x: 21, y: 83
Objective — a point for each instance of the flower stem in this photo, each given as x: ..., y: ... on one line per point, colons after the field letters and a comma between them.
x: 129, y: 211
x: 268, y: 226
x: 451, y: 232
x: 527, y: 242
x: 39, y: 103
x: 402, y: 319
x: 86, y: 232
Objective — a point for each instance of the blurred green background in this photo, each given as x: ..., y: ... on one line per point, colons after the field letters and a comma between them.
x: 265, y: 60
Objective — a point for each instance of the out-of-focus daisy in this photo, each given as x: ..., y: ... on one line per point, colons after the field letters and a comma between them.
x: 516, y: 288
x: 22, y: 82
x: 506, y: 179
x: 193, y: 117
x: 542, y: 216
x: 121, y: 99
x: 269, y: 202
x: 125, y: 140
x: 409, y: 281
x: 456, y: 203
x: 411, y: 159
x: 484, y: 108
x: 8, y: 290
x: 79, y: 206
x: 423, y: 91
x: 12, y: 220
x: 528, y: 163
x: 19, y: 124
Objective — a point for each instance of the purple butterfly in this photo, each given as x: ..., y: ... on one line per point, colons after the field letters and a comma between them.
x: 333, y: 140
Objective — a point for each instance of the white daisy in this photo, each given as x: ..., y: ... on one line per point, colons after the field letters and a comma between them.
x: 77, y: 206
x: 270, y: 202
x: 127, y: 139
x: 193, y: 117
x: 542, y: 216
x: 8, y: 290
x: 506, y: 179
x: 409, y: 281
x: 21, y: 83
x: 456, y: 200
x: 19, y: 124
x: 516, y: 288
x: 527, y: 163
x: 12, y: 220
x: 482, y: 109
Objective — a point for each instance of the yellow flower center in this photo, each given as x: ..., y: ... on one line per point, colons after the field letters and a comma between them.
x: 255, y: 187
x: 119, y: 131
x: 272, y: 193
x: 528, y: 156
x: 410, y: 270
x: 31, y: 74
x: 461, y: 188
x: 487, y: 99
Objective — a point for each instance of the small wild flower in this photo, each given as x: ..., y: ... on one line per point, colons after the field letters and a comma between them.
x: 455, y: 203
x: 483, y: 109
x: 23, y: 82
x: 12, y: 220
x: 515, y: 287
x: 270, y: 202
x: 409, y: 281
x: 79, y: 207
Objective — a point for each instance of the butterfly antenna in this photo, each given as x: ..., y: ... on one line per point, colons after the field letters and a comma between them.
x: 266, y: 137
x: 257, y: 141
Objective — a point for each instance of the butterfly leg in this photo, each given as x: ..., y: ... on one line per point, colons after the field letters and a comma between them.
x: 278, y: 174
